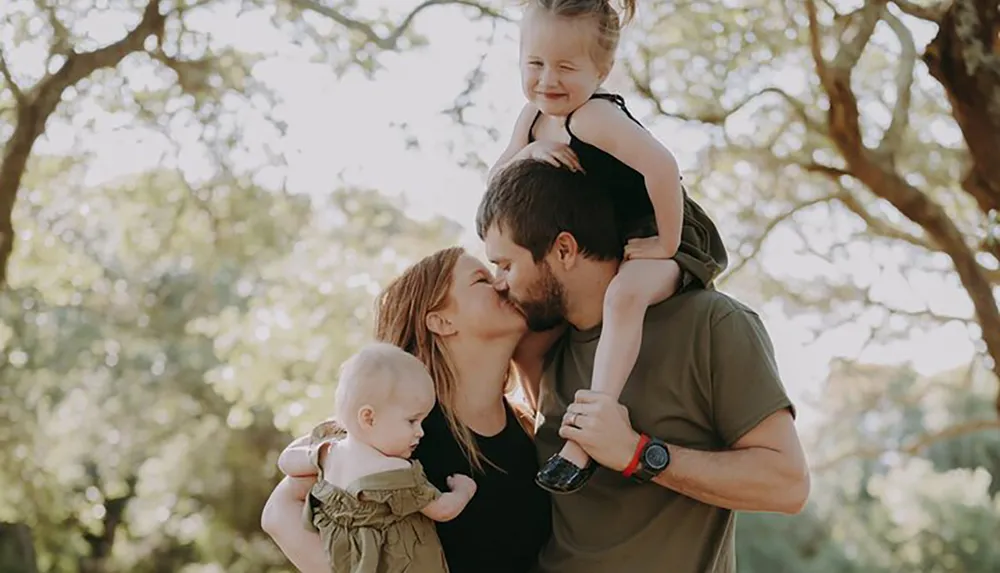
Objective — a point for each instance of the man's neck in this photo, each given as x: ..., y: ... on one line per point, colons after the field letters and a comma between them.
x: 585, y: 297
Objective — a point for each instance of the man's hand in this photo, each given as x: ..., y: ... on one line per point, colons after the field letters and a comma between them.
x: 600, y: 425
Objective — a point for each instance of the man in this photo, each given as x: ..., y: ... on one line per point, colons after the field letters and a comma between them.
x: 704, y: 428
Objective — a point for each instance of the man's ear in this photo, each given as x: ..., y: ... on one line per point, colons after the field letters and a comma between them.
x: 565, y: 250
x: 366, y: 416
x: 439, y: 324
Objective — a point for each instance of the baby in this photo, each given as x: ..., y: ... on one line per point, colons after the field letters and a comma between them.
x: 371, y: 504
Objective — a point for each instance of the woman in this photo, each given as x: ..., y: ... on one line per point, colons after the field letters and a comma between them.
x: 445, y: 311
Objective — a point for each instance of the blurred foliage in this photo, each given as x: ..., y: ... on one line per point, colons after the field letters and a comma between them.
x: 154, y: 361
x: 165, y: 331
x: 905, y: 479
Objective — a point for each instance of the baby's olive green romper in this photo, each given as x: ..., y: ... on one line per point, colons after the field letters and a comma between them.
x: 374, y: 525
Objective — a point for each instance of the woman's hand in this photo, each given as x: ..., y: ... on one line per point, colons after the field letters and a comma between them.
x: 555, y: 154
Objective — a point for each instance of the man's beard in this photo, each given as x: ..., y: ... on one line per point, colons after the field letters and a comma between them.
x: 544, y: 308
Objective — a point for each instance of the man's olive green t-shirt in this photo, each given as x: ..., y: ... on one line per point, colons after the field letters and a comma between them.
x: 705, y: 376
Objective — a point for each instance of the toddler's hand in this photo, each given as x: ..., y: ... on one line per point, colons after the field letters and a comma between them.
x: 645, y: 248
x: 462, y: 484
x: 555, y: 154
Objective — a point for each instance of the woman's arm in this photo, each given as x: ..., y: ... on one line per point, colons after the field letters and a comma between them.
x: 518, y: 139
x: 602, y: 124
x: 294, y: 462
x: 282, y: 520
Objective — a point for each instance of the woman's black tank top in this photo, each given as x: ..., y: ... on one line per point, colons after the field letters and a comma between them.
x: 509, y: 519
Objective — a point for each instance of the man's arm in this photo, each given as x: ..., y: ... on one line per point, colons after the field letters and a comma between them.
x: 763, y: 468
x: 764, y: 471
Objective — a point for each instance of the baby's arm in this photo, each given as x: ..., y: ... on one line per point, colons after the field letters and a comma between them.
x: 518, y: 139
x: 604, y: 125
x: 450, y: 504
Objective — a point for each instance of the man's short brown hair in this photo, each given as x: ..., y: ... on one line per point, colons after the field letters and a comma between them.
x: 533, y: 202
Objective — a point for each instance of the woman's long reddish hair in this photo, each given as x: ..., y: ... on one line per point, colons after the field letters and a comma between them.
x: 400, y: 318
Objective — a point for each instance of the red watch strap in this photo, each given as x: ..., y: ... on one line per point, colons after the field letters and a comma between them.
x: 634, y: 464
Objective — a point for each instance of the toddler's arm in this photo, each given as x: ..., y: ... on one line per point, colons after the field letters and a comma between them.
x: 450, y: 504
x: 518, y: 139
x: 604, y: 125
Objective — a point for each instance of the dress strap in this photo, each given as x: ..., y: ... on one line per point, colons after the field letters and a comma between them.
x: 613, y: 98
x: 531, y: 128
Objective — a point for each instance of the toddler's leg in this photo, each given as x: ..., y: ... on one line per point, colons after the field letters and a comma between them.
x: 638, y: 284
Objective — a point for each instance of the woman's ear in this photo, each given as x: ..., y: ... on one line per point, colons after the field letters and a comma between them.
x: 439, y: 324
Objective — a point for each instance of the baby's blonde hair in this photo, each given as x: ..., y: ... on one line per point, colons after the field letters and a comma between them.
x: 608, y: 20
x: 373, y: 375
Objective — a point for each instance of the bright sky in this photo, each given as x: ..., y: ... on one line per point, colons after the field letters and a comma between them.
x: 346, y: 130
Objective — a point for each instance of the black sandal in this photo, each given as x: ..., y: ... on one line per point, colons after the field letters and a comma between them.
x: 561, y: 476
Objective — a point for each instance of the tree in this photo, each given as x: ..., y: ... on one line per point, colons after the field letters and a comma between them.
x: 883, y: 151
x: 199, y: 84
x: 142, y: 409
x: 833, y: 128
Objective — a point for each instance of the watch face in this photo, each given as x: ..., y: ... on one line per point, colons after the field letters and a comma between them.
x: 656, y: 457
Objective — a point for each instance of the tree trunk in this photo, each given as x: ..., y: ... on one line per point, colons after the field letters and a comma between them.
x: 17, y: 549
x: 879, y: 174
x: 965, y: 58
x: 36, y: 105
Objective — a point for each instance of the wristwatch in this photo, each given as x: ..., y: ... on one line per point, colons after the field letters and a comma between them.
x: 650, y: 458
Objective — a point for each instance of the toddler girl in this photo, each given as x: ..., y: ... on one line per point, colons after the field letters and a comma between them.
x: 567, y: 51
x: 372, y: 505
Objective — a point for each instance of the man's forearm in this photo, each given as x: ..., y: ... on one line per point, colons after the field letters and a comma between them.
x: 751, y: 479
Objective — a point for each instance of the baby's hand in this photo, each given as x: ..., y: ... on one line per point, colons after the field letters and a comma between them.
x: 451, y: 503
x: 462, y: 484
x: 646, y: 248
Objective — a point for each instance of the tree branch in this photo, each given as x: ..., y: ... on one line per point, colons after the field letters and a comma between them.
x: 904, y: 84
x: 880, y: 226
x: 914, y: 446
x: 850, y: 52
x: 645, y: 89
x: 815, y: 48
x: 758, y: 243
x: 389, y: 42
x: 882, y: 179
x: 932, y: 13
x: 875, y: 224
x: 60, y: 34
x: 41, y: 101
x: 8, y: 78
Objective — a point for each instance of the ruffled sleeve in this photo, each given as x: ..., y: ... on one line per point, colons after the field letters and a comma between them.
x: 416, y: 495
